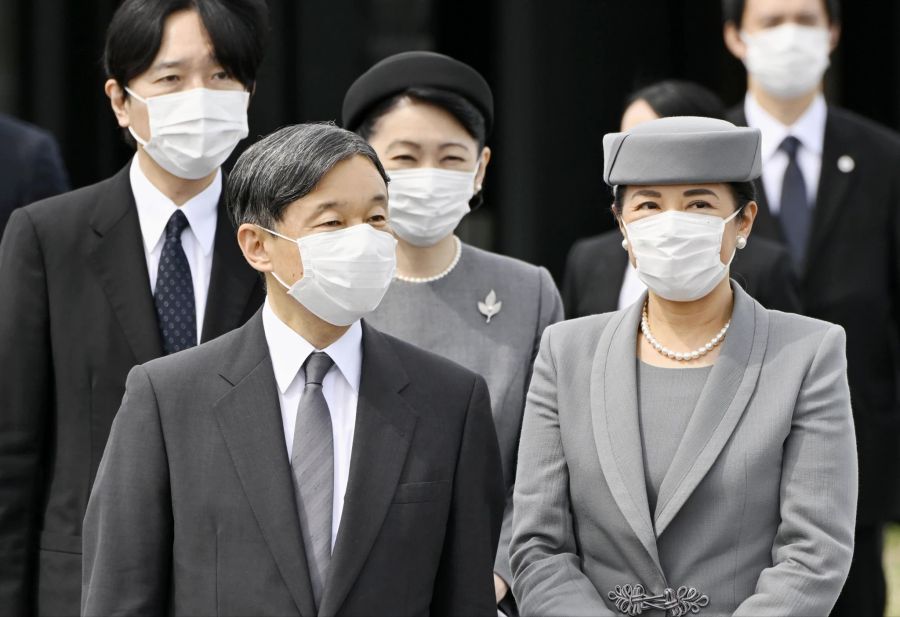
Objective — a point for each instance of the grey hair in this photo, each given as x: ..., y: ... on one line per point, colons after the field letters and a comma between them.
x: 286, y: 166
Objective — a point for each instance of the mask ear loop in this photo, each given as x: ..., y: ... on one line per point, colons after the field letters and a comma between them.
x: 477, y: 200
x: 283, y: 237
x: 130, y: 129
x: 734, y: 252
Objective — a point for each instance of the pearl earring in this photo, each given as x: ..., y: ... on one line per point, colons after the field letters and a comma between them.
x: 741, y: 242
x: 625, y: 243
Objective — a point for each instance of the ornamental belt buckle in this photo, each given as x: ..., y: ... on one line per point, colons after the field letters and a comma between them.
x: 633, y: 600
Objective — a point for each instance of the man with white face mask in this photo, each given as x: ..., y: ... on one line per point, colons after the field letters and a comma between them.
x: 829, y: 192
x: 137, y: 266
x: 311, y: 463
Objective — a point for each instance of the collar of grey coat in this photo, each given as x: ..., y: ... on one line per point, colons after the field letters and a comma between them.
x: 249, y: 416
x: 614, y: 411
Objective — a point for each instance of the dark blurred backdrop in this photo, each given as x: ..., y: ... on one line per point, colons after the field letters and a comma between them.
x: 559, y: 69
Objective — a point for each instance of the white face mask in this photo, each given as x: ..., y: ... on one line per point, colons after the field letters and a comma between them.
x: 345, y: 273
x: 678, y: 253
x: 193, y: 132
x: 789, y: 60
x: 427, y: 204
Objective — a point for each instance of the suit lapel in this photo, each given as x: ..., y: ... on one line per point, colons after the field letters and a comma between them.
x: 249, y: 417
x: 721, y: 404
x: 614, y: 412
x: 384, y: 429
x: 833, y: 186
x: 117, y: 256
x: 232, y: 282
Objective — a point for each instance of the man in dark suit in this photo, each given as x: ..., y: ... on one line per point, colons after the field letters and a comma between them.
x: 830, y: 193
x: 116, y: 274
x: 305, y: 463
x: 30, y: 166
x: 597, y: 268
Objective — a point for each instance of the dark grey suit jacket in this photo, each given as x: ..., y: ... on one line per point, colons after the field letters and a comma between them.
x: 76, y: 314
x: 193, y: 509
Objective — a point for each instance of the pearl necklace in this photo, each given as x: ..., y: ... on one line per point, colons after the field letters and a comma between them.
x: 436, y: 277
x: 678, y: 355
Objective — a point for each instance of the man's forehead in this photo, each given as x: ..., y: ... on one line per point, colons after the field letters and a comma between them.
x: 784, y: 7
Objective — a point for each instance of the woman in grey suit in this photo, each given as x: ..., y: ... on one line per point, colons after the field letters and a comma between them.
x: 427, y: 116
x: 693, y: 453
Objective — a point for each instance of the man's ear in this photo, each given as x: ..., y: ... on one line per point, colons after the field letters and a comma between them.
x: 254, y: 243
x: 116, y: 95
x: 733, y: 42
x: 835, y: 35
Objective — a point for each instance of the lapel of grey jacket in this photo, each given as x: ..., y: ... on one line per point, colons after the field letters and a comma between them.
x: 614, y: 413
x: 721, y: 404
x: 384, y: 427
x: 249, y: 417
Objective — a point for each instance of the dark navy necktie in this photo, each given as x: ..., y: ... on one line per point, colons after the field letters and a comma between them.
x: 174, y: 295
x: 795, y: 213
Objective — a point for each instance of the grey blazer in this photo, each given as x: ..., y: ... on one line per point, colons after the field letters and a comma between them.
x: 757, y: 509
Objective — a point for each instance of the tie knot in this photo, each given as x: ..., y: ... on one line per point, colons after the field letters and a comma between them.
x: 317, y: 365
x: 177, y: 223
x: 789, y: 146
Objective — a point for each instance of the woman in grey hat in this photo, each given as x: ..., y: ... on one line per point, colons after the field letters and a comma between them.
x: 428, y: 117
x: 693, y: 453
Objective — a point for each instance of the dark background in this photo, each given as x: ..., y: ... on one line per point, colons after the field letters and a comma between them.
x: 560, y: 70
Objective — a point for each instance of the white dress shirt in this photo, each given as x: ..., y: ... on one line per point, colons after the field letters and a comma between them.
x: 289, y: 351
x: 632, y: 287
x: 809, y: 129
x: 154, y: 210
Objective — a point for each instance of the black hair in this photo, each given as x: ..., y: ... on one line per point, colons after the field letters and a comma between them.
x: 743, y: 193
x: 236, y: 28
x: 286, y: 166
x: 733, y: 11
x: 471, y: 119
x: 675, y: 97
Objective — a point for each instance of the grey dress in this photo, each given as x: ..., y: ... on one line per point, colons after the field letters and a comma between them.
x: 444, y: 317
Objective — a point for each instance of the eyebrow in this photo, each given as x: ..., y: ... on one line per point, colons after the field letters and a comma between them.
x: 182, y: 62
x: 418, y: 146
x: 404, y: 142
x: 646, y: 193
x: 695, y: 192
x: 328, y: 205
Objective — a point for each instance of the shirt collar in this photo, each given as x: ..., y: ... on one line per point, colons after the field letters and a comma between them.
x: 289, y: 350
x: 809, y: 128
x: 154, y: 209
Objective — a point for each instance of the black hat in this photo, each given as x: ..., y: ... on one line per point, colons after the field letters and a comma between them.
x: 397, y: 73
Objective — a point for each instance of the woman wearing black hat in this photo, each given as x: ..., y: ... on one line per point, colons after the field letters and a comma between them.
x: 428, y: 116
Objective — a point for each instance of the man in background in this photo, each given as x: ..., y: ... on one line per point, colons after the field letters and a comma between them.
x: 830, y: 193
x: 137, y: 266
x: 31, y: 167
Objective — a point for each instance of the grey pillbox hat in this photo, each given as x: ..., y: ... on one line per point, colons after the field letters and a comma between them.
x: 682, y: 150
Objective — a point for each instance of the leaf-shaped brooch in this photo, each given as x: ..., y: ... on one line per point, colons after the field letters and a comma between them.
x: 490, y: 306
